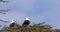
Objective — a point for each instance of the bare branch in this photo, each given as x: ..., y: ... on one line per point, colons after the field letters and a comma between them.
x: 4, y: 21
x: 4, y: 1
x: 4, y: 11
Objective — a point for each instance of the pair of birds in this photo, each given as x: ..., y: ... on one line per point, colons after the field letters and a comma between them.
x: 25, y: 23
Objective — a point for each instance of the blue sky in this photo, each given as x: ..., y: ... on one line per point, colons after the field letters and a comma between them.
x: 37, y: 10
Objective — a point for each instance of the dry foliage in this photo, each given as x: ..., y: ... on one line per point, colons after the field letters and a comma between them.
x: 33, y: 28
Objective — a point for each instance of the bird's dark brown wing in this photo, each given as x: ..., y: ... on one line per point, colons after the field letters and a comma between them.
x: 26, y: 22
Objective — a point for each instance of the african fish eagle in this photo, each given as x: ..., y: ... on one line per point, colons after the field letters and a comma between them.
x: 12, y: 23
x: 26, y: 22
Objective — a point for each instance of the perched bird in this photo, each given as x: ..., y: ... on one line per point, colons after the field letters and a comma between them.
x: 26, y: 22
x: 12, y: 23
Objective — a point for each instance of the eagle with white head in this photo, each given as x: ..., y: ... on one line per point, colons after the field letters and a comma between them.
x: 12, y: 23
x: 26, y: 22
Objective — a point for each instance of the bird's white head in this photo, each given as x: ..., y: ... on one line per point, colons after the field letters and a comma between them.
x: 27, y: 18
x: 12, y: 21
